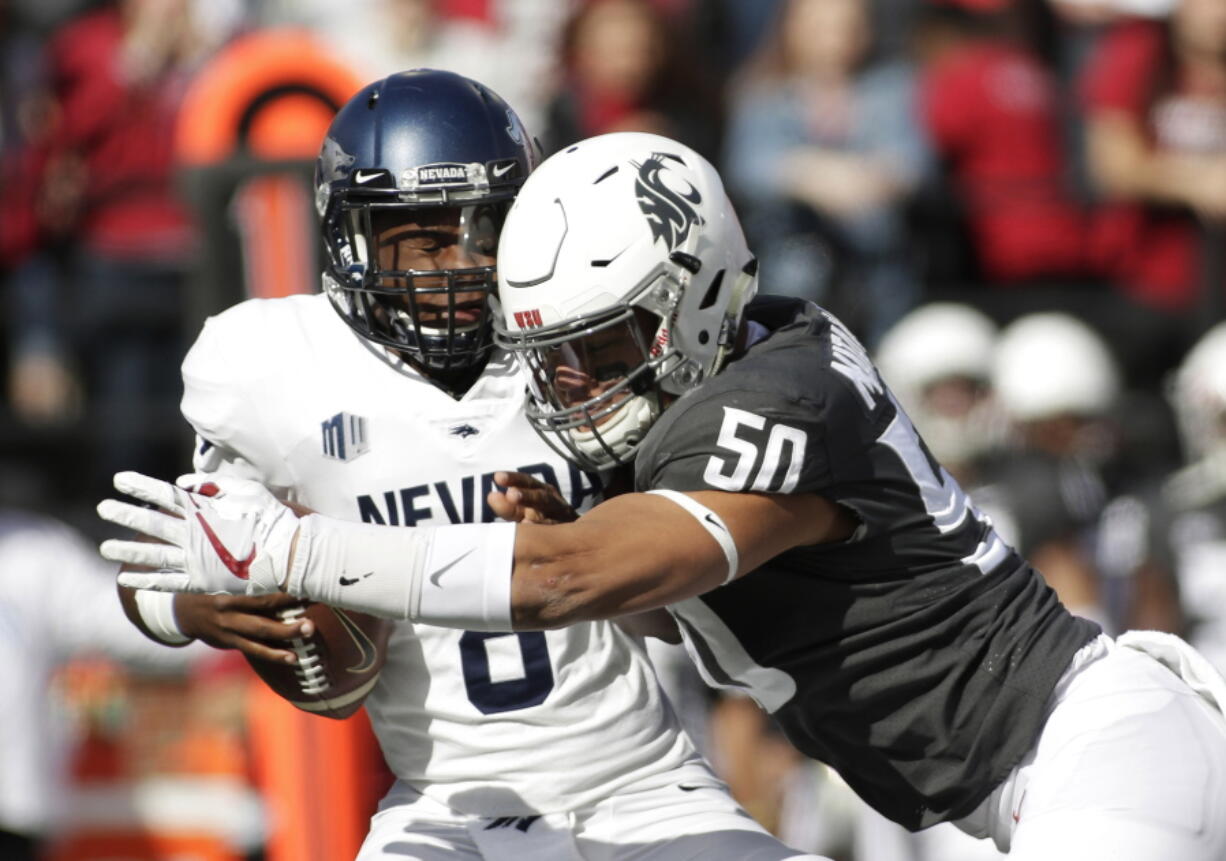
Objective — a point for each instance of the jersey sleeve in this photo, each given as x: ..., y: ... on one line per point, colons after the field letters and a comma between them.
x: 760, y: 441
x: 225, y: 399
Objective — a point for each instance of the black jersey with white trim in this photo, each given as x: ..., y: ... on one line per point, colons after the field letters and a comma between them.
x: 918, y: 656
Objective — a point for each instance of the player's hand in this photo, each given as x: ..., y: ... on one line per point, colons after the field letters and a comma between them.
x: 219, y: 535
x: 527, y: 499
x: 242, y: 622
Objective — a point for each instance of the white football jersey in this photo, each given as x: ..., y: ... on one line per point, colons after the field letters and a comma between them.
x: 493, y: 724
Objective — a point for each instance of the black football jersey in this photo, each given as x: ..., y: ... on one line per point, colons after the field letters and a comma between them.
x: 918, y: 656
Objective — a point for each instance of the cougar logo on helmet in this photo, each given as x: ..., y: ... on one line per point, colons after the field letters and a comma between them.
x: 669, y: 213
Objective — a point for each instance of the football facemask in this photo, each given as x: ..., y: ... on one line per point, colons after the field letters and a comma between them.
x: 592, y: 386
x: 422, y: 278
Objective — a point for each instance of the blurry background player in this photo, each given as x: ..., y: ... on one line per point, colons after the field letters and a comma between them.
x: 1196, y: 494
x: 1057, y: 384
x: 57, y: 602
x: 550, y: 745
x: 938, y: 361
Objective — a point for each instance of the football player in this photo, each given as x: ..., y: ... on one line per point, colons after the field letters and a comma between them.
x: 810, y: 549
x: 383, y: 400
x: 1196, y: 494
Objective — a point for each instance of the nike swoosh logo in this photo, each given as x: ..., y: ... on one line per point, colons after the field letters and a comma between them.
x: 499, y: 171
x: 349, y: 581
x: 688, y: 787
x: 366, y: 176
x: 710, y: 518
x: 366, y: 646
x: 437, y: 575
x: 237, y: 567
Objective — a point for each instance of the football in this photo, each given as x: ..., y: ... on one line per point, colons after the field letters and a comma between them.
x: 338, y: 664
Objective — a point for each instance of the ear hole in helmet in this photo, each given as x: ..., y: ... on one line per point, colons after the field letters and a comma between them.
x: 704, y: 336
x: 712, y: 293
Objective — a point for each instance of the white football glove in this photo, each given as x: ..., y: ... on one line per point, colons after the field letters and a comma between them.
x: 221, y: 535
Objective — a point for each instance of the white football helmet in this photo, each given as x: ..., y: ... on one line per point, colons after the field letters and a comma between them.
x: 623, y: 274
x: 1198, y: 395
x: 944, y: 344
x: 1051, y: 364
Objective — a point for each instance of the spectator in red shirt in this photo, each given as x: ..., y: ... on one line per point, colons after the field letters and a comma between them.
x: 625, y: 69
x: 108, y: 206
x: 117, y: 76
x: 1156, y: 136
x: 40, y: 385
x: 991, y: 110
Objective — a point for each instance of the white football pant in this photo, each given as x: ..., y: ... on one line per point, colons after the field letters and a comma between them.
x: 1131, y: 766
x: 671, y: 823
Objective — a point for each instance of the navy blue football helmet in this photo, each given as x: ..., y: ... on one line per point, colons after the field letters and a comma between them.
x: 412, y: 184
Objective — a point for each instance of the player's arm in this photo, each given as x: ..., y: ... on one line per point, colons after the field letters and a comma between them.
x: 242, y: 622
x: 641, y: 551
x: 627, y: 555
x: 524, y: 498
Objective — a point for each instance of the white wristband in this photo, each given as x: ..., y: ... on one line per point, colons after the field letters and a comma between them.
x: 451, y: 576
x: 466, y: 581
x: 711, y: 522
x: 157, y: 611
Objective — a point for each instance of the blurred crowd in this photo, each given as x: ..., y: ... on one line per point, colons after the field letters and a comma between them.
x: 1018, y: 205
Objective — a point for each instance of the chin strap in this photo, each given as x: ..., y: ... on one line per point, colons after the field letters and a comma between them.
x: 744, y: 288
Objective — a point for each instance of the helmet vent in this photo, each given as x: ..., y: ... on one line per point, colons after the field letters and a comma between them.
x: 608, y: 173
x: 372, y: 99
x: 712, y: 292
